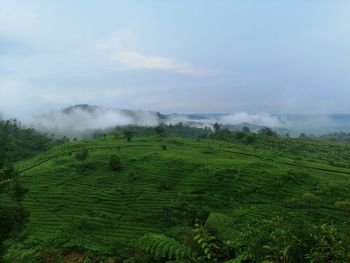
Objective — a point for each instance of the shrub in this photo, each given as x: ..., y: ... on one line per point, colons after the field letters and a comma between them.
x: 116, y: 163
x: 250, y: 138
x: 209, y: 150
x: 221, y: 225
x: 344, y: 205
x: 132, y: 176
x: 311, y: 200
x: 164, y: 184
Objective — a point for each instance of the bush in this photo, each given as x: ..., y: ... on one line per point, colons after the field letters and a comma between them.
x: 311, y: 200
x: 132, y: 176
x: 250, y: 138
x: 343, y: 205
x: 221, y: 225
x: 164, y: 184
x: 209, y: 150
x: 116, y: 163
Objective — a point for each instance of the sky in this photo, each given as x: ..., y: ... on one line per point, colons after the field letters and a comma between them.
x: 185, y: 56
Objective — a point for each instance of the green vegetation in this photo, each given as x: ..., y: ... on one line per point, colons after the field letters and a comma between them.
x: 12, y: 214
x: 128, y: 134
x: 83, y: 155
x: 180, y: 129
x: 116, y: 162
x: 160, y: 130
x: 336, y: 137
x: 218, y: 198
x: 18, y: 142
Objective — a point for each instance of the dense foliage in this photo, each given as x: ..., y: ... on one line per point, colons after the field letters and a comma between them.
x: 18, y: 142
x: 336, y: 137
x: 12, y: 214
x: 274, y: 240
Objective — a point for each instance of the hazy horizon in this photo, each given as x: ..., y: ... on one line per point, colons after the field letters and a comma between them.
x: 184, y: 56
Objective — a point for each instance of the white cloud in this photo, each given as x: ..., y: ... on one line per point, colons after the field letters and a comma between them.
x: 263, y: 119
x: 135, y: 60
x: 120, y: 49
x: 98, y: 118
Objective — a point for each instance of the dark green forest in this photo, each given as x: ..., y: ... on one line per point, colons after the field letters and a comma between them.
x: 18, y: 142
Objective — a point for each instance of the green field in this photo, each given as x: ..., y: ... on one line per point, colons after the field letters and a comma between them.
x: 104, y: 211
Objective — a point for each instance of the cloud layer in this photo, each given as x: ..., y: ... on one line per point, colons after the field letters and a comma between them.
x: 231, y: 56
x: 134, y: 60
x: 82, y: 118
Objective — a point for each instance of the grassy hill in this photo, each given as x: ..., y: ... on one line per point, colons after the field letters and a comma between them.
x: 164, y: 189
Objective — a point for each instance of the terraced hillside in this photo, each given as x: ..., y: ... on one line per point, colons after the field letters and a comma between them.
x: 167, y: 183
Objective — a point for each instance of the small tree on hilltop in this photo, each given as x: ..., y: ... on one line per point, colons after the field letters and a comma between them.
x: 128, y: 135
x: 246, y: 129
x: 82, y: 156
x: 116, y: 162
x: 160, y: 130
x: 268, y: 132
x: 216, y: 127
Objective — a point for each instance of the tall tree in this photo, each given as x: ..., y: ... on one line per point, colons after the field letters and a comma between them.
x: 160, y: 130
x: 216, y: 126
x: 82, y: 156
x: 12, y: 217
x: 128, y: 135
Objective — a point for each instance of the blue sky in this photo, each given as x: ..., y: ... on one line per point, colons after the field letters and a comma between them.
x: 175, y: 56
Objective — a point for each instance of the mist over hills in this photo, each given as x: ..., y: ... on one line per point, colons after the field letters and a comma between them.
x: 82, y: 119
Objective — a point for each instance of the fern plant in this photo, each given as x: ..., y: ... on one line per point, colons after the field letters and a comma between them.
x: 162, y: 247
x: 207, y: 243
x: 205, y: 249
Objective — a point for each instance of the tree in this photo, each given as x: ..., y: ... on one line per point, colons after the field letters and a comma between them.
x: 12, y: 217
x: 160, y: 130
x: 250, y: 138
x: 128, y: 135
x: 303, y: 136
x: 268, y: 132
x: 328, y: 245
x: 18, y: 142
x: 246, y: 129
x: 116, y: 162
x: 217, y: 127
x: 82, y: 156
x: 2, y: 160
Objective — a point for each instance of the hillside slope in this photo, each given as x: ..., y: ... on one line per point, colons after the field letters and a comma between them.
x: 164, y: 190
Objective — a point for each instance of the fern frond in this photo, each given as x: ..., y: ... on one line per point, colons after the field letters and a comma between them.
x: 161, y: 246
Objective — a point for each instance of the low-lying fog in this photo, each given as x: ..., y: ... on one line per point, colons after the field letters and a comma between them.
x: 80, y: 120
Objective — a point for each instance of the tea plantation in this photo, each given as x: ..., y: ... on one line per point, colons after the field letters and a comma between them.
x: 167, y: 183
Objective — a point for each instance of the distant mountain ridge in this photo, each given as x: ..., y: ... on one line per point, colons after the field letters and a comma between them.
x: 83, y: 117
